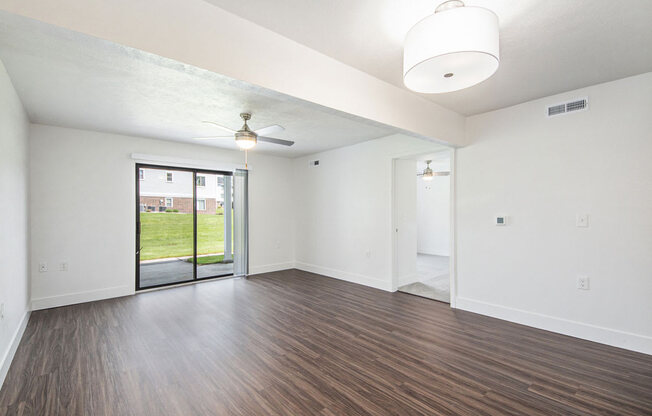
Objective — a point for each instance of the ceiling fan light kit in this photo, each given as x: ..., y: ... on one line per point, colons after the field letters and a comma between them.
x: 428, y: 174
x: 246, y: 138
x: 452, y: 49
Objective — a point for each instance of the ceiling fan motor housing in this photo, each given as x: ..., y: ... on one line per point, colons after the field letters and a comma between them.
x: 246, y: 138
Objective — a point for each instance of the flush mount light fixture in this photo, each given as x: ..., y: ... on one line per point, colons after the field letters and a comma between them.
x: 454, y: 48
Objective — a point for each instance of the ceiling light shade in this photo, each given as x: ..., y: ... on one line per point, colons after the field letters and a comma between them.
x: 427, y: 176
x: 454, y: 48
x: 245, y: 139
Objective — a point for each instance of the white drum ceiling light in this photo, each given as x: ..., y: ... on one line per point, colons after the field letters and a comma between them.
x: 454, y: 48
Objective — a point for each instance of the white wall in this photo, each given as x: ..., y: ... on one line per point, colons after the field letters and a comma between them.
x: 433, y: 210
x: 344, y: 210
x: 92, y: 227
x: 14, y: 225
x: 541, y: 172
x: 405, y: 217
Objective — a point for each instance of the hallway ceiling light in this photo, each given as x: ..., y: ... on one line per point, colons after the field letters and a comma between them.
x: 452, y: 49
x: 428, y: 174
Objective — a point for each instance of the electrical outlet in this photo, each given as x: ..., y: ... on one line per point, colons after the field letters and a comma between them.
x: 63, y: 267
x: 42, y: 267
x: 583, y: 282
x: 582, y: 220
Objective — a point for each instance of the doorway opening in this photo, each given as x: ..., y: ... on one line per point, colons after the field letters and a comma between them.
x: 422, y: 192
x: 184, y: 225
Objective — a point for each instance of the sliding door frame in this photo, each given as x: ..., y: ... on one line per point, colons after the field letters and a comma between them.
x: 194, y: 172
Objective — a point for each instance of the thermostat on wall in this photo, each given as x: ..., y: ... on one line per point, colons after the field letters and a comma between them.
x: 501, y: 220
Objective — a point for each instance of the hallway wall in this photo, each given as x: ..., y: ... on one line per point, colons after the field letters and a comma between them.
x: 433, y: 210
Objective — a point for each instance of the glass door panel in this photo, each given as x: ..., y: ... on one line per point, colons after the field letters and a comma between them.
x: 166, y: 224
x: 214, y: 225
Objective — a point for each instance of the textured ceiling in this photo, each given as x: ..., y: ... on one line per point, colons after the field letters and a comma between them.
x: 547, y: 46
x: 68, y: 79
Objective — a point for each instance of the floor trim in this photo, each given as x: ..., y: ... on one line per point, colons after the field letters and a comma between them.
x: 347, y: 276
x: 268, y: 268
x: 13, y: 346
x: 81, y: 297
x: 608, y: 336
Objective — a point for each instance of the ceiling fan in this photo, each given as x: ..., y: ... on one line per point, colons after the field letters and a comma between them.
x: 246, y: 138
x: 428, y: 174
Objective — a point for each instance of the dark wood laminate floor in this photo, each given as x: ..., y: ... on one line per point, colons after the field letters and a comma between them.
x: 295, y: 343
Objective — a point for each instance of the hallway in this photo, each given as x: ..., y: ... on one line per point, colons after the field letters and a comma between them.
x: 434, y: 280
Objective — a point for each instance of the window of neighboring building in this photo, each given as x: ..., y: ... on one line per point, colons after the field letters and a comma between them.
x: 168, y: 202
x: 201, y: 205
x: 143, y: 207
x: 168, y: 177
x: 201, y: 180
x: 141, y: 174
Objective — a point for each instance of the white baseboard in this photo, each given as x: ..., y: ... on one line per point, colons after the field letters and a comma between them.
x: 268, y: 268
x: 608, y: 336
x: 13, y: 346
x: 81, y: 297
x: 349, y: 277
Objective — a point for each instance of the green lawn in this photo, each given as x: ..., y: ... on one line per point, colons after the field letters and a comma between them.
x: 170, y: 235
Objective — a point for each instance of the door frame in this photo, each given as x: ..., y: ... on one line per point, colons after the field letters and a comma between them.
x: 452, y: 266
x: 194, y: 171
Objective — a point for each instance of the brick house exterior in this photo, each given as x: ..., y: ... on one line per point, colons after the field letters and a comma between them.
x: 162, y: 190
x: 184, y: 205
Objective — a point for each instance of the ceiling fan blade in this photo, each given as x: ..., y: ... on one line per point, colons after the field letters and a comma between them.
x: 441, y: 173
x: 212, y: 137
x: 275, y: 141
x: 220, y: 126
x: 273, y: 129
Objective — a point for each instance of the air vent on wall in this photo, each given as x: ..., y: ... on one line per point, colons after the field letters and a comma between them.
x: 568, y: 107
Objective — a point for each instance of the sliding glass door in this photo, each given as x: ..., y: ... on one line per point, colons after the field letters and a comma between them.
x: 214, y: 226
x: 184, y: 225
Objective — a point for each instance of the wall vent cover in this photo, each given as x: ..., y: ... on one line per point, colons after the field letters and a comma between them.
x: 568, y: 107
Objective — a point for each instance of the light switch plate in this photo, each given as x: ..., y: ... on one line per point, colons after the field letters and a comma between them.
x: 582, y: 220
x: 583, y: 282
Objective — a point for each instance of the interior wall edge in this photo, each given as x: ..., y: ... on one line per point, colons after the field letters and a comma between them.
x: 15, y: 221
x: 13, y: 346
x: 602, y: 335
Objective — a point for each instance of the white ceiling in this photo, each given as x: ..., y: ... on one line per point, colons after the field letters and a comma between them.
x: 547, y: 46
x: 69, y: 79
